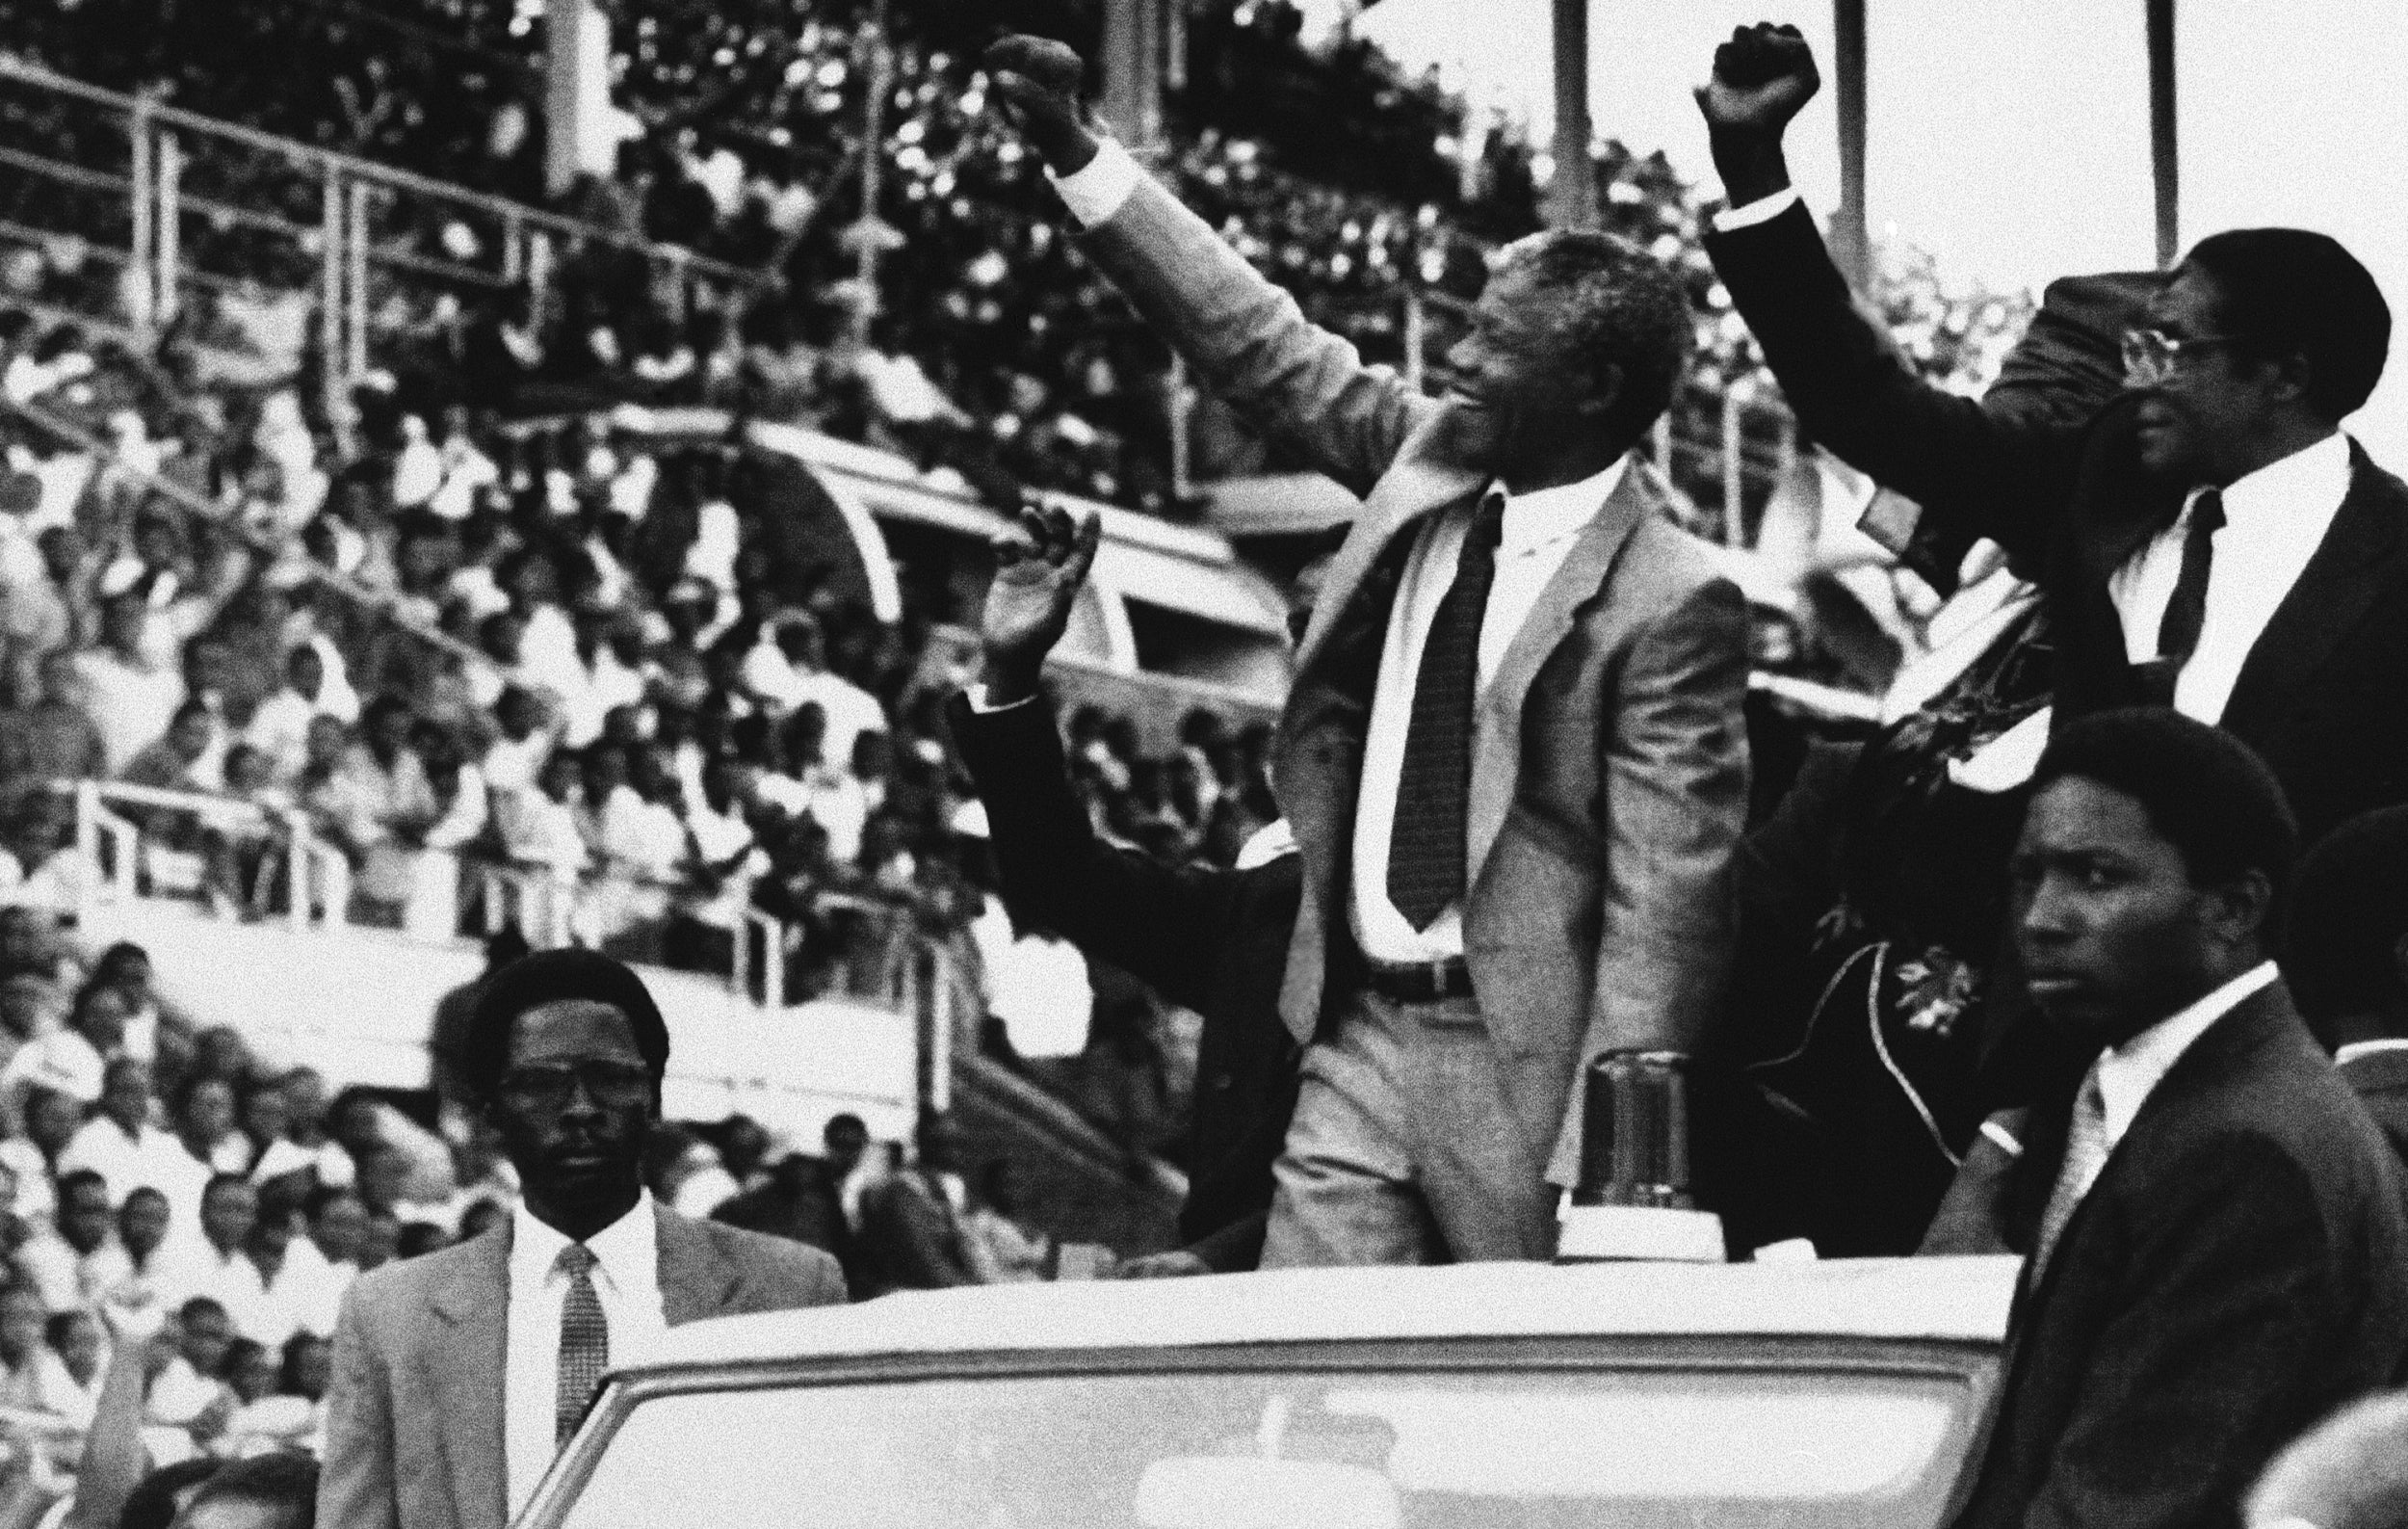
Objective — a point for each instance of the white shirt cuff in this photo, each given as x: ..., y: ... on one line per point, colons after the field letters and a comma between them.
x: 1096, y: 192
x: 979, y: 702
x: 1764, y: 209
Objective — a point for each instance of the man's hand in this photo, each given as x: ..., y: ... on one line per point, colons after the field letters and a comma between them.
x: 1037, y: 79
x: 1762, y: 77
x: 1037, y: 576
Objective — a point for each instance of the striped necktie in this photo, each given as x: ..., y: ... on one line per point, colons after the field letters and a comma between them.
x: 1426, y: 853
x: 2087, y: 1148
x: 585, y: 1342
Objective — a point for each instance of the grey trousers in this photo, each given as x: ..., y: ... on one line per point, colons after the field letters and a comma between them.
x: 1404, y: 1150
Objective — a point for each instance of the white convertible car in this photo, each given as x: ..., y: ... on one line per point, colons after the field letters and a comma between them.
x: 1507, y: 1395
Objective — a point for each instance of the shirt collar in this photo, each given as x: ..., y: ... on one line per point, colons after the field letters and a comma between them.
x: 1533, y: 519
x: 2129, y: 1073
x: 2367, y: 1049
x: 621, y: 1250
x: 2271, y: 500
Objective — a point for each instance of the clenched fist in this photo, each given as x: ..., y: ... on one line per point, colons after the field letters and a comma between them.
x: 1037, y: 81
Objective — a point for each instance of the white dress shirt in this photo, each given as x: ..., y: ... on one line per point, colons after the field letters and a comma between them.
x: 2365, y: 1048
x: 627, y: 1280
x: 2274, y: 520
x: 1539, y: 530
x: 2129, y: 1074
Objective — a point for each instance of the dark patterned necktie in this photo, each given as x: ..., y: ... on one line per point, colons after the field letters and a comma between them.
x: 2178, y: 634
x: 1425, y: 843
x: 584, y: 1343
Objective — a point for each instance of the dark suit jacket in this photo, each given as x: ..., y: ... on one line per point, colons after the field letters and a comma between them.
x: 414, y: 1409
x: 1609, y: 753
x: 1214, y: 942
x: 2380, y: 1080
x: 2323, y: 696
x: 2238, y: 1269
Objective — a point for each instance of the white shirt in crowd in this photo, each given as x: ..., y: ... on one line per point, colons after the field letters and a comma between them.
x: 626, y: 1280
x: 1539, y: 530
x: 149, y: 1157
x: 1036, y: 985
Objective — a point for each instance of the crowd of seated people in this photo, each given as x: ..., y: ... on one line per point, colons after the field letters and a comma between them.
x: 680, y: 714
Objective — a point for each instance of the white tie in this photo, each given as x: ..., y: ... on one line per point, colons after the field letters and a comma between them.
x: 2086, y: 1150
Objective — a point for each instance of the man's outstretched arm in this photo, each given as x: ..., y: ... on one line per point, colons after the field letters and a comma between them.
x: 1247, y: 339
x: 1994, y: 476
x: 1164, y: 924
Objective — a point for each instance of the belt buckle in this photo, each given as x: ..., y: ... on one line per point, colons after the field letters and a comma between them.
x: 1438, y: 979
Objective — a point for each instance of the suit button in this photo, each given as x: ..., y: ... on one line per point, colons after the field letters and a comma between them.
x: 1222, y: 1082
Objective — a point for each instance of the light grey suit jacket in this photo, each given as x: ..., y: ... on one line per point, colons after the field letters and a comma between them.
x: 1609, y: 754
x: 414, y: 1409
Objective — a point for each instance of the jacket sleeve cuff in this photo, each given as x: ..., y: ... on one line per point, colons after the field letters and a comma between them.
x: 1097, y: 190
x: 1731, y: 220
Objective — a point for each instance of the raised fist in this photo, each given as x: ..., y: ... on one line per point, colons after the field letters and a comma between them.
x: 1764, y: 76
x: 1037, y: 81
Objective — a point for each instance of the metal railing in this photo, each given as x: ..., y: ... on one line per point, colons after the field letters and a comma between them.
x: 177, y: 203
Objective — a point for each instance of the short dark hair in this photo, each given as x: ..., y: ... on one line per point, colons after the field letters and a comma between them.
x: 2288, y: 290
x: 285, y: 1479
x: 219, y: 1182
x: 2349, y: 907
x: 76, y: 1178
x: 200, y: 1306
x: 2205, y: 791
x: 152, y: 1505
x: 553, y: 976
x: 1627, y: 310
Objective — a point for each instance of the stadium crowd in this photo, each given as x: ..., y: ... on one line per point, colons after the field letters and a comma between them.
x: 621, y: 672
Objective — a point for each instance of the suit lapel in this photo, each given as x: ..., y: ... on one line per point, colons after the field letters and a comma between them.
x: 1497, y: 740
x: 695, y: 1282
x: 2357, y: 559
x: 1415, y: 485
x: 466, y: 1357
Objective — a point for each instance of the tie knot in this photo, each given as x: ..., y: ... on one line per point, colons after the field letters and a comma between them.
x: 576, y: 1259
x: 2206, y: 512
x: 1488, y: 523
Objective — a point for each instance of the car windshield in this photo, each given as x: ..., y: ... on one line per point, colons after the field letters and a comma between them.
x: 1281, y: 1448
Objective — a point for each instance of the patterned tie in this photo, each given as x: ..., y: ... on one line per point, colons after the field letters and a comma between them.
x: 584, y: 1343
x: 1425, y: 842
x: 2187, y: 611
x: 2086, y: 1150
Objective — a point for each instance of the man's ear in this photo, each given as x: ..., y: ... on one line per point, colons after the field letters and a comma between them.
x: 2238, y: 909
x: 2289, y: 376
x: 1605, y: 391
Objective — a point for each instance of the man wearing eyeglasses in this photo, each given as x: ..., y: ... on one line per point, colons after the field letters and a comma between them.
x: 458, y: 1375
x: 2208, y: 539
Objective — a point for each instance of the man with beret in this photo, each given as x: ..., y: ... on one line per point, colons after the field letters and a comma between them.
x: 459, y: 1375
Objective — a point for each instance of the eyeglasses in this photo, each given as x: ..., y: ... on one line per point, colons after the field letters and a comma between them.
x: 2151, y: 356
x: 612, y: 1083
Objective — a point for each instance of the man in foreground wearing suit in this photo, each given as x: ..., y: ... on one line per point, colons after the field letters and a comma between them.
x: 457, y: 1375
x: 2347, y: 959
x: 1213, y: 940
x: 2208, y: 539
x: 2217, y: 1251
x: 1513, y: 753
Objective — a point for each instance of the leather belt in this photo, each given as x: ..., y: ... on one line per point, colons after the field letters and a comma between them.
x: 1419, y: 982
